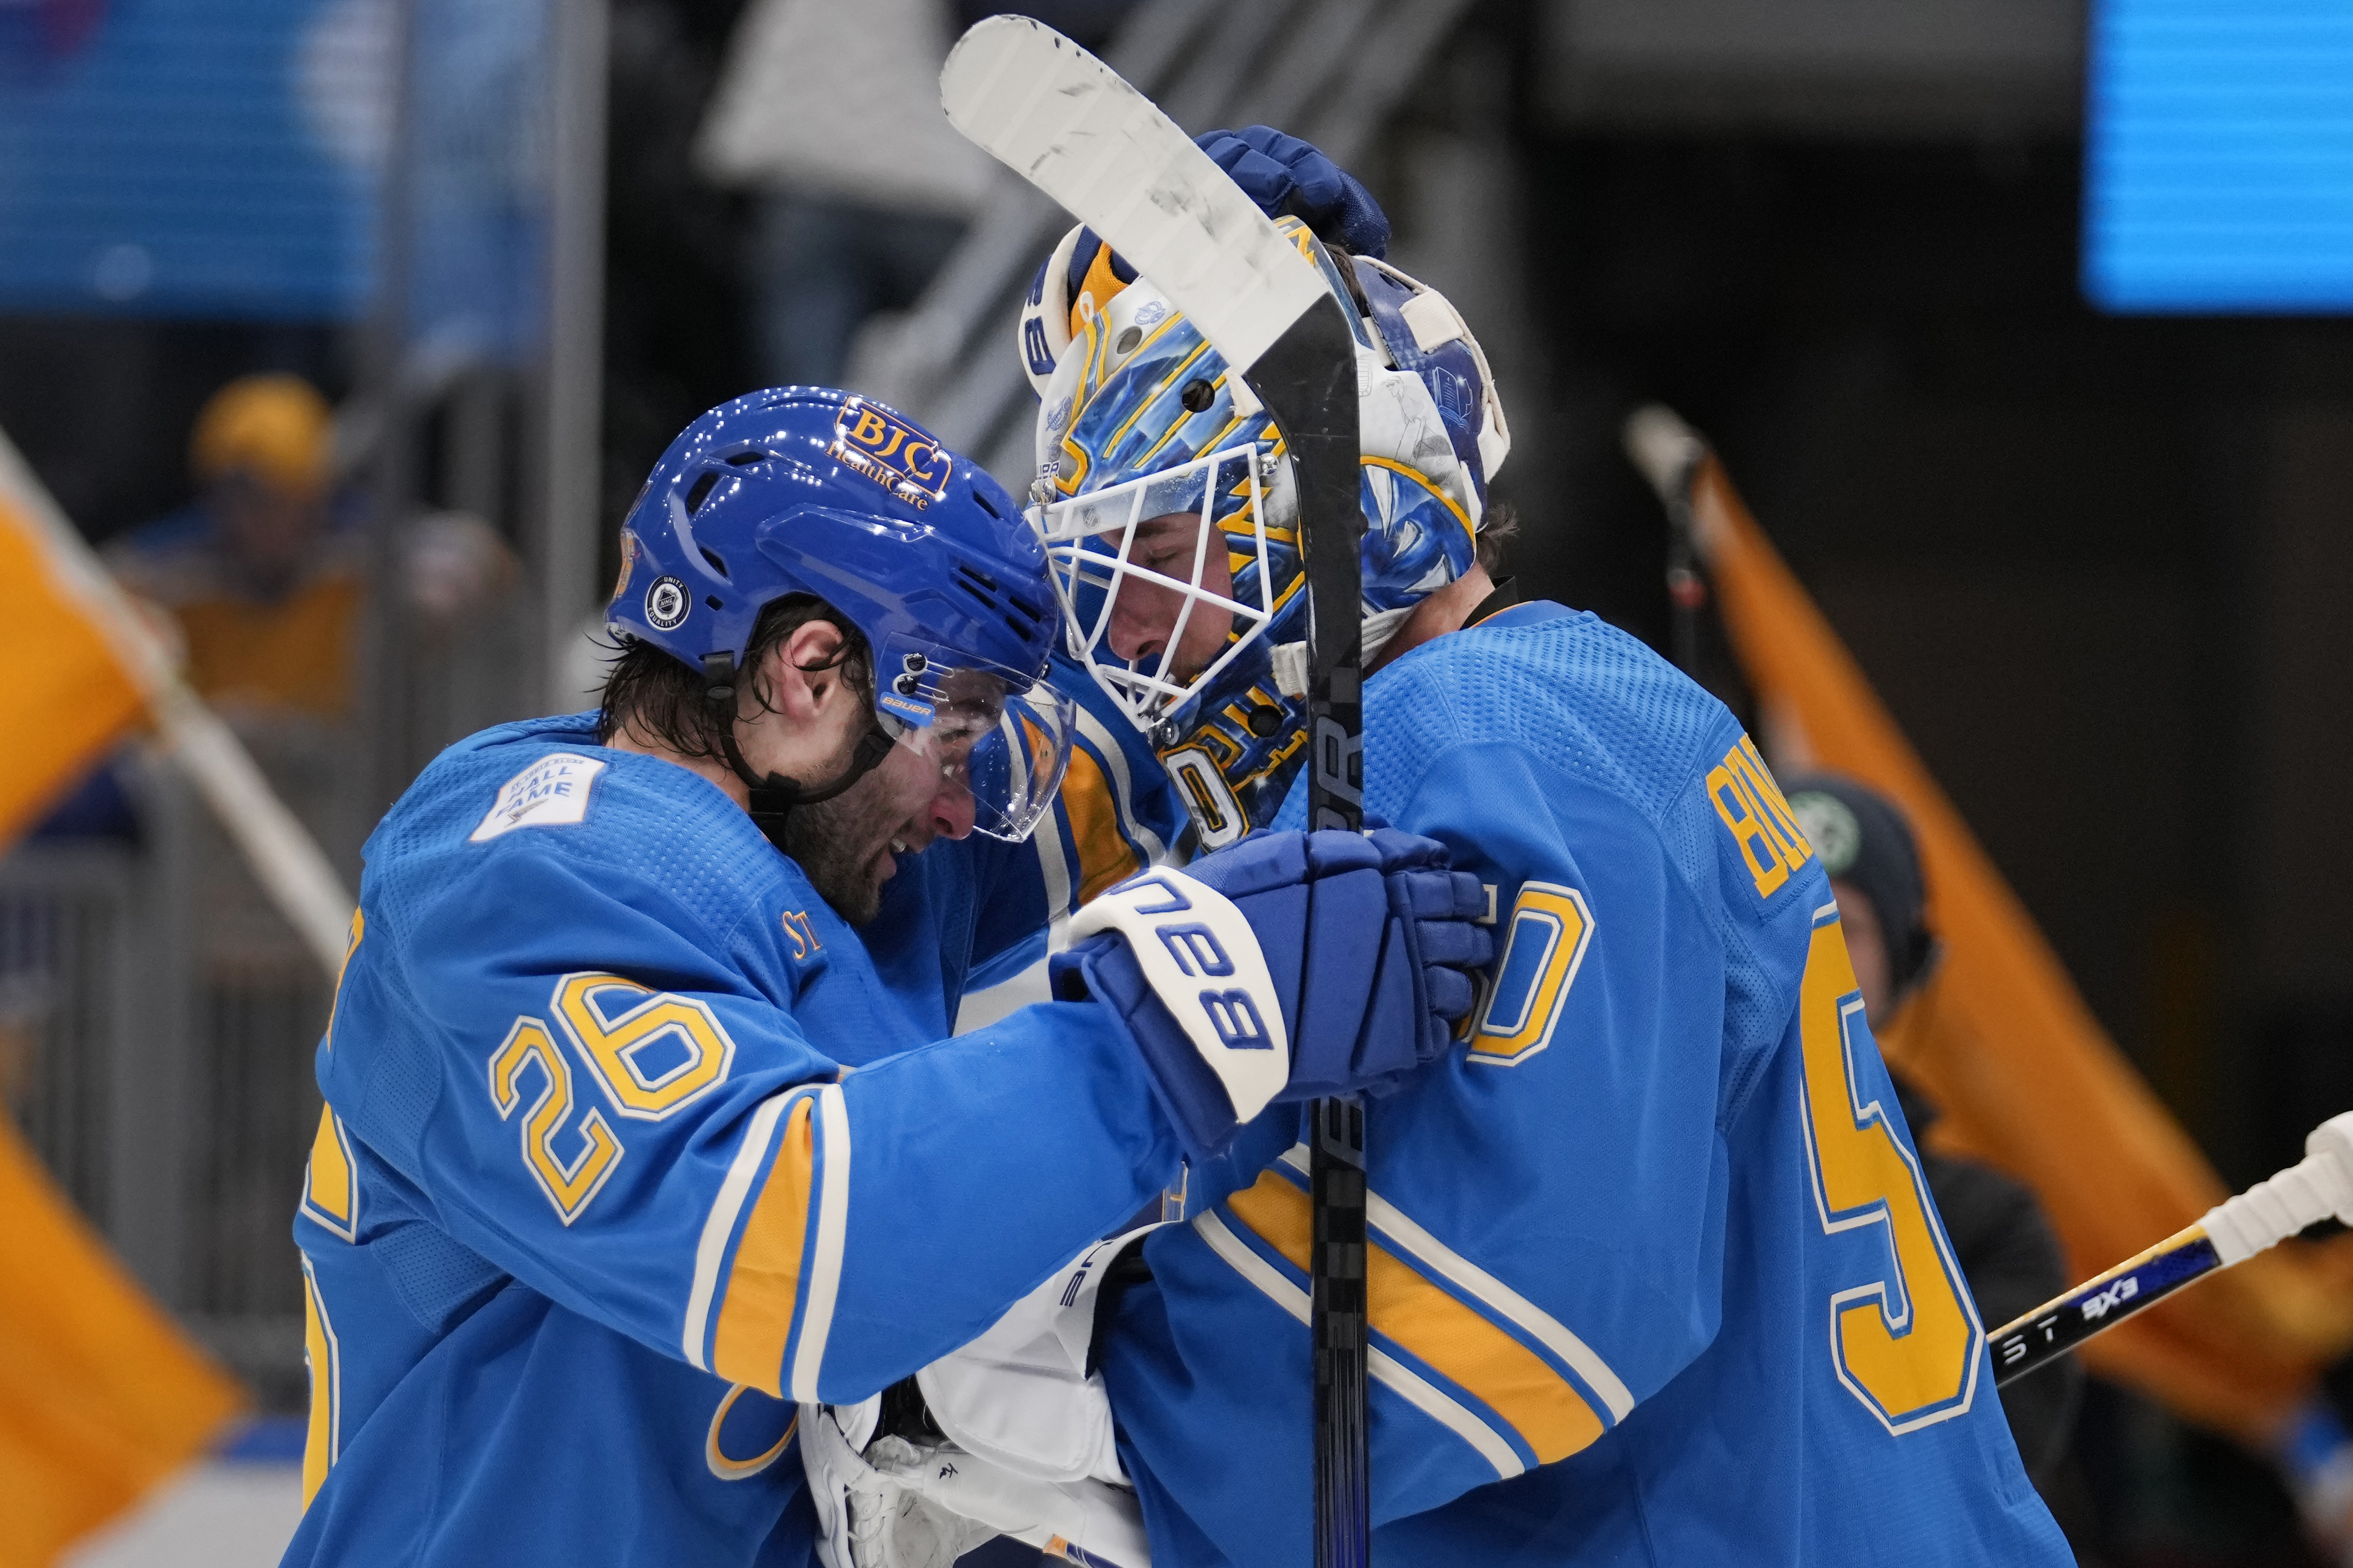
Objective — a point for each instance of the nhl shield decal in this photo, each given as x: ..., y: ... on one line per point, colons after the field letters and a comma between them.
x: 665, y: 604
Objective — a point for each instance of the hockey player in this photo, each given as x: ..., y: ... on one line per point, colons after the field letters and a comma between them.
x: 597, y: 1194
x: 1655, y: 1277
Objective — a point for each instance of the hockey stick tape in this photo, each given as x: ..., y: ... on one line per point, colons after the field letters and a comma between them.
x: 1072, y: 127
x: 1201, y: 958
x: 2319, y: 1187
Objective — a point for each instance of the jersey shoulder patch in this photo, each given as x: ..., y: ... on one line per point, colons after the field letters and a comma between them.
x: 553, y: 792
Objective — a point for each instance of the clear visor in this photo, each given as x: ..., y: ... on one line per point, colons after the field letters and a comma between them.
x: 1002, y: 750
x: 1147, y: 577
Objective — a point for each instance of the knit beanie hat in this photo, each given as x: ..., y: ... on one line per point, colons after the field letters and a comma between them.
x: 1863, y: 838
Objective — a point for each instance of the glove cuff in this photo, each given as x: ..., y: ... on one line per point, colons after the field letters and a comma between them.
x: 1104, y: 969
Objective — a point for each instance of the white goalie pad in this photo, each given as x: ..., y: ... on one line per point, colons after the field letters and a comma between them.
x: 866, y: 1515
x: 1019, y: 1395
x: 1085, y: 1522
x: 899, y: 1504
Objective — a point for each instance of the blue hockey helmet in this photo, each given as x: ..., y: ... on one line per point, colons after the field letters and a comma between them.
x: 802, y: 489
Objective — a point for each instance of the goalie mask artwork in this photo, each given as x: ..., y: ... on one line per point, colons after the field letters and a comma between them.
x: 1199, y: 632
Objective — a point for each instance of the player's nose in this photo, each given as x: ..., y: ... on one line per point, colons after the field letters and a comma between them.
x: 1139, y: 623
x: 951, y: 810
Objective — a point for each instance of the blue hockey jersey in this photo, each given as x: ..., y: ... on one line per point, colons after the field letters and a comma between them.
x: 598, y: 1195
x: 1655, y: 1277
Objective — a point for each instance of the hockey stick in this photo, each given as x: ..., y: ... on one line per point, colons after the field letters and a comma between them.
x: 1068, y: 124
x: 1670, y: 457
x: 2318, y: 1187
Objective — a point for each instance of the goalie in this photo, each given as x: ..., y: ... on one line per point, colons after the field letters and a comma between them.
x: 1655, y: 1277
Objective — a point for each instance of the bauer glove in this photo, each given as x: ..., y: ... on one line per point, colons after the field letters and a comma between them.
x: 1284, y: 967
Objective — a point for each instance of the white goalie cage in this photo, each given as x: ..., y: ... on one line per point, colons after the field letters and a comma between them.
x: 1094, y: 540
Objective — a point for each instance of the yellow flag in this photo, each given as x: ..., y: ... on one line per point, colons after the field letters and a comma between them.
x: 2005, y: 1045
x: 101, y: 1395
x: 71, y: 689
x: 82, y: 667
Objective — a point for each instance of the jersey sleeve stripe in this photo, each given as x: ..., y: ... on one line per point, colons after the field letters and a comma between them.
x: 832, y: 1237
x: 1148, y: 846
x: 1435, y: 1257
x: 1055, y: 853
x: 755, y: 1311
x: 1447, y: 1336
x: 1105, y: 857
x: 718, y: 1226
x: 1386, y: 1369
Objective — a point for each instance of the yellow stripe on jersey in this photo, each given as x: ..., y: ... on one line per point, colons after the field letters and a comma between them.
x: 329, y: 1187
x: 1451, y: 1338
x: 322, y: 1444
x: 1105, y: 858
x: 756, y: 1318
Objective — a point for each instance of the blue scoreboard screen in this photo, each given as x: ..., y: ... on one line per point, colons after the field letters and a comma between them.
x: 2219, y: 156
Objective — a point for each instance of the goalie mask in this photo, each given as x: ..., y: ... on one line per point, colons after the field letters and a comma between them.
x: 1165, y: 496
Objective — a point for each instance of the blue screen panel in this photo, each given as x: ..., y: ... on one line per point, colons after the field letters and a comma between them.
x: 2219, y: 156
x: 190, y: 157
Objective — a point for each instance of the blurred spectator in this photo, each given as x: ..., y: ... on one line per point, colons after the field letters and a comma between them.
x: 262, y: 571
x: 263, y: 574
x: 2005, y: 1244
x: 263, y: 581
x: 830, y: 114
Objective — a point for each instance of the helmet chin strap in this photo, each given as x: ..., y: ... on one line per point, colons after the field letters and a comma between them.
x: 774, y: 796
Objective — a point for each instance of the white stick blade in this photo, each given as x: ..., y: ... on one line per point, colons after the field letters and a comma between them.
x: 1069, y: 125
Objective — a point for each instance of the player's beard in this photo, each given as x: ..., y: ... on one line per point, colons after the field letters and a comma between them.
x: 835, y: 842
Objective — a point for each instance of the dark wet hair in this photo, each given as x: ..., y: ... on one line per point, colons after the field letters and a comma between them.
x: 656, y: 697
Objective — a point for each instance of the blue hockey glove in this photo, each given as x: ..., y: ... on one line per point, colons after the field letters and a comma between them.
x: 1283, y: 174
x: 1284, y: 967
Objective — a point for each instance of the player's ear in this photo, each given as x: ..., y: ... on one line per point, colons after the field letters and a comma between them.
x: 802, y: 673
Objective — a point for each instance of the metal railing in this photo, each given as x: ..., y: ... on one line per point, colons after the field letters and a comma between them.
x: 158, y: 1055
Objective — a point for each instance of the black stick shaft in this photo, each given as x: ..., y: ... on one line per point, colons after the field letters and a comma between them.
x: 2056, y: 1327
x: 1307, y: 381
x: 1336, y: 1178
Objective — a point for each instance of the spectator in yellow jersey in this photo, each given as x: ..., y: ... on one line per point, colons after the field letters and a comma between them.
x: 262, y: 572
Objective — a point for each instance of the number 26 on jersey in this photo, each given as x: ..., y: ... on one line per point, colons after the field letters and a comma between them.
x: 649, y: 1052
